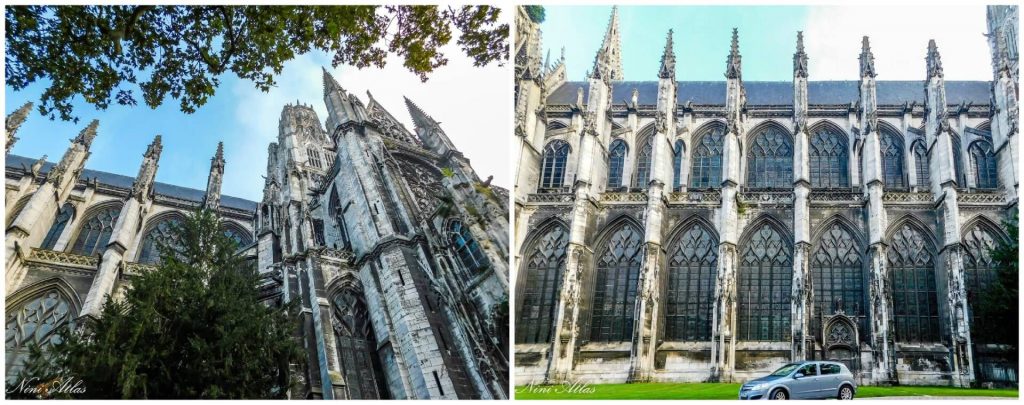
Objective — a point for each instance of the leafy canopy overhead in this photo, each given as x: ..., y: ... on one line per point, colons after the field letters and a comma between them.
x: 105, y: 53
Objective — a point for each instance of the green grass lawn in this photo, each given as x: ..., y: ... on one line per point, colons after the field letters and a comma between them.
x: 723, y: 391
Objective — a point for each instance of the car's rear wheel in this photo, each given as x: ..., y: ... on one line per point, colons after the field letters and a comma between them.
x: 779, y: 394
x: 845, y: 392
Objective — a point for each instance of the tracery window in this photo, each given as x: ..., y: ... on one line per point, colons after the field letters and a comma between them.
x: 980, y: 271
x: 958, y: 163
x: 541, y: 286
x: 706, y: 164
x: 240, y: 237
x: 95, y: 231
x: 466, y: 246
x: 36, y: 320
x: 912, y: 276
x: 984, y: 163
x: 892, y: 159
x: 357, y: 348
x: 765, y: 278
x: 314, y: 158
x: 770, y: 159
x: 616, y: 162
x: 829, y: 160
x: 677, y: 164
x: 63, y: 217
x: 921, y: 164
x: 643, y: 162
x: 615, y: 289
x: 837, y: 274
x: 692, y: 270
x: 552, y: 173
x: 164, y: 233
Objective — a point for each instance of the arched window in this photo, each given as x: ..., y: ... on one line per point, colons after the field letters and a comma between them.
x: 921, y: 164
x: 63, y: 217
x: 980, y: 271
x: 616, y: 161
x: 829, y: 159
x: 706, y: 164
x: 912, y: 276
x: 335, y: 210
x: 240, y: 236
x: 837, y: 273
x: 96, y: 230
x: 984, y: 163
x: 541, y: 285
x: 677, y: 164
x: 466, y: 246
x: 162, y: 232
x: 692, y: 270
x: 357, y: 347
x: 553, y: 125
x: 552, y: 172
x: 36, y: 320
x: 958, y: 163
x: 765, y: 278
x: 617, y: 278
x: 770, y: 159
x: 892, y: 159
x: 643, y: 162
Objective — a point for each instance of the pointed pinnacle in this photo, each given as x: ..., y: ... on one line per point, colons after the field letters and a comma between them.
x: 934, y: 60
x: 867, y: 59
x: 15, y: 118
x: 668, y: 59
x: 800, y: 57
x: 88, y: 134
x: 155, y: 148
x: 419, y: 118
x: 218, y: 158
x: 329, y: 83
x: 734, y: 63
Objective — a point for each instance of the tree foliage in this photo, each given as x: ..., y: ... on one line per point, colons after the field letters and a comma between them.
x: 1000, y: 302
x: 536, y: 13
x: 192, y: 328
x: 106, y: 53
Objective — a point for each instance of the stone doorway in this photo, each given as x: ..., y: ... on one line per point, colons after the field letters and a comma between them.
x: 840, y: 341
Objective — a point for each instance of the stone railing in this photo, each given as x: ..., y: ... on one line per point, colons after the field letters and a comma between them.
x: 982, y: 197
x: 343, y: 255
x: 63, y: 258
x: 550, y: 198
x: 697, y: 197
x: 823, y: 196
x: 134, y: 269
x: 624, y: 197
x: 766, y: 197
x: 901, y: 197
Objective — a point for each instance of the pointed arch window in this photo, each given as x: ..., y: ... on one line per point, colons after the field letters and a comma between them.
x: 958, y: 163
x: 829, y: 159
x: 540, y: 286
x: 706, y: 164
x: 95, y: 231
x: 677, y: 164
x: 163, y: 232
x: 616, y: 162
x: 36, y: 320
x: 983, y: 161
x: 643, y: 162
x: 66, y: 213
x: 912, y: 276
x: 241, y: 237
x: 615, y: 289
x: 461, y: 239
x: 837, y: 274
x: 357, y: 347
x: 770, y: 159
x: 692, y: 270
x: 921, y: 164
x: 892, y: 159
x: 765, y: 278
x: 980, y: 271
x: 552, y: 173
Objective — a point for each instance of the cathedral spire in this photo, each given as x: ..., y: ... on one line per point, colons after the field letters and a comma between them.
x: 143, y: 185
x: 668, y: 60
x: 733, y: 68
x: 608, y: 62
x: 934, y: 60
x: 867, y: 59
x: 88, y: 134
x: 330, y: 83
x: 213, y: 182
x: 800, y: 57
x: 421, y: 119
x: 14, y: 121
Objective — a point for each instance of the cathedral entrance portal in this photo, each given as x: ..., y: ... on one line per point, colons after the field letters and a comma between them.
x: 839, y: 337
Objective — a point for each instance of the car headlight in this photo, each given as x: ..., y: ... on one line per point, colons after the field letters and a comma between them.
x: 758, y: 387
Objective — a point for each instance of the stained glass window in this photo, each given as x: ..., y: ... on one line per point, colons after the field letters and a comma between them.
x: 912, y: 276
x: 829, y: 160
x: 692, y: 270
x: 615, y: 289
x: 677, y: 164
x: 984, y: 162
x: 892, y: 159
x: 765, y: 279
x: 63, y: 217
x: 979, y: 271
x: 837, y: 273
x: 921, y: 164
x: 242, y: 238
x: 616, y: 161
x: 643, y: 162
x: 35, y: 321
x: 95, y: 231
x: 357, y: 347
x: 552, y: 173
x: 541, y: 285
x: 162, y: 232
x: 770, y: 159
x: 706, y: 164
x: 466, y: 246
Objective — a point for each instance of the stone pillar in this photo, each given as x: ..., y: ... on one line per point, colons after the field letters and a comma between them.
x: 801, y: 312
x: 13, y: 122
x: 216, y: 177
x: 1005, y: 119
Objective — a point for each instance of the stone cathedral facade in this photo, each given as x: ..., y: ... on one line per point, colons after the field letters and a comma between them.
x: 712, y: 231
x: 394, y: 247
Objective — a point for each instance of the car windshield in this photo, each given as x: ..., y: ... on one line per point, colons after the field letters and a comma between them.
x: 785, y: 369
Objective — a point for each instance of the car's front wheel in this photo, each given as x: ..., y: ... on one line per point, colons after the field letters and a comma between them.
x: 845, y: 392
x: 779, y: 395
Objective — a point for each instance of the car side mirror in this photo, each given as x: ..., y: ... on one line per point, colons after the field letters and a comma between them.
x: 798, y: 375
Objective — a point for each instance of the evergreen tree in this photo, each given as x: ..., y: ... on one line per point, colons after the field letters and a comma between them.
x: 1000, y: 302
x: 194, y: 327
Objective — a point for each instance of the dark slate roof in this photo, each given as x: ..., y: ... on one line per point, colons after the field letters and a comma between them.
x: 781, y: 93
x: 117, y: 180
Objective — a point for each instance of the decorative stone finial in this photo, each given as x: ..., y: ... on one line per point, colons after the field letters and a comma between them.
x: 800, y: 57
x: 867, y: 59
x: 88, y: 134
x: 934, y: 60
x: 668, y: 60
x: 733, y: 68
x: 14, y: 121
x: 608, y: 61
x: 330, y: 84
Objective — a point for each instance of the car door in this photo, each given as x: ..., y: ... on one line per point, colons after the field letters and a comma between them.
x: 830, y: 377
x: 805, y: 386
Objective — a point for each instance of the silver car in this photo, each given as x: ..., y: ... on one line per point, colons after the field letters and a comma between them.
x: 803, y: 380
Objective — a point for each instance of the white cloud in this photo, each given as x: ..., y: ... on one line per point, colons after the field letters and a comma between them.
x: 899, y: 37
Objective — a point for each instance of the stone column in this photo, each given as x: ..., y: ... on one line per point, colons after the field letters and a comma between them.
x: 801, y: 288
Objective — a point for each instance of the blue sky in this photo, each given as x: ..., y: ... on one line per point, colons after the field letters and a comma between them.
x: 832, y: 34
x: 473, y: 105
